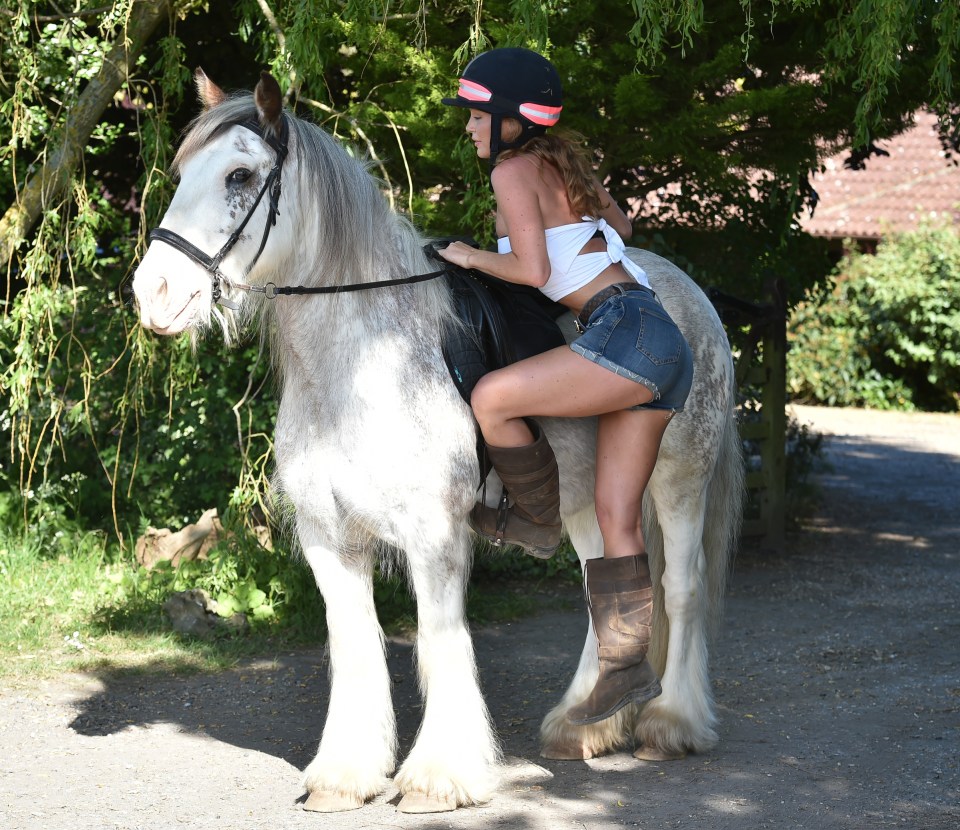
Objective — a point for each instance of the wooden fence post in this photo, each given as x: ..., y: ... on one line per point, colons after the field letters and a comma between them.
x: 762, y: 365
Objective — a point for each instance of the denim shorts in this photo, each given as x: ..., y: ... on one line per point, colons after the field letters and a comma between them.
x: 632, y: 334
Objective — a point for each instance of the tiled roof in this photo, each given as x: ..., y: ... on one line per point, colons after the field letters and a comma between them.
x: 892, y: 193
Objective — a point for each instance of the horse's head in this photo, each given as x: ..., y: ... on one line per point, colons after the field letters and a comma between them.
x: 215, y: 231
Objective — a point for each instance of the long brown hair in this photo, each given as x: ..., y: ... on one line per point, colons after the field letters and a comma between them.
x: 564, y: 150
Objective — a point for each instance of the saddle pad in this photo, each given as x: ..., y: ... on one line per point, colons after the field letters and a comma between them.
x: 502, y: 323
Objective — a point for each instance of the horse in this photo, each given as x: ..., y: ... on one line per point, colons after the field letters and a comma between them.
x: 376, y: 452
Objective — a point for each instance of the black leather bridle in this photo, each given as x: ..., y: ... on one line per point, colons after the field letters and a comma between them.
x: 271, y: 188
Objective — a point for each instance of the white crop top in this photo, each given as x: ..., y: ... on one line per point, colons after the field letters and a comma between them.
x: 571, y: 270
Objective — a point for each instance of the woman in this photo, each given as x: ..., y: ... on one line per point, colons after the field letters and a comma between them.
x: 560, y: 231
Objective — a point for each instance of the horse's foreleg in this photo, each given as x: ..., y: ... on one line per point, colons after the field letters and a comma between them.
x: 455, y: 757
x: 358, y: 748
x: 682, y: 718
x: 560, y: 739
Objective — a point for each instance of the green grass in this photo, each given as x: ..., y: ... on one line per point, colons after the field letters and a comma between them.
x: 80, y: 605
x: 48, y: 602
x: 77, y: 612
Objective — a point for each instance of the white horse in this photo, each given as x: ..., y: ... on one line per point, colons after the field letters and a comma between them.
x: 376, y: 452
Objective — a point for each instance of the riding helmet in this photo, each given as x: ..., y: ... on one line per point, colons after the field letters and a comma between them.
x: 511, y: 82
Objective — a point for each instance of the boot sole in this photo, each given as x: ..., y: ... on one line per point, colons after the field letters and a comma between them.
x: 530, y: 550
x: 636, y: 696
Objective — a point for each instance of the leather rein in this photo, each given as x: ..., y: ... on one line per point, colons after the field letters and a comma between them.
x: 271, y: 188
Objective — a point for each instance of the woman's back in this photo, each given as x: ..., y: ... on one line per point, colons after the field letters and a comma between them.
x: 545, y: 180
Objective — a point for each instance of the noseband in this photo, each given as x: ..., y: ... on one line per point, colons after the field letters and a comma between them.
x: 211, y: 264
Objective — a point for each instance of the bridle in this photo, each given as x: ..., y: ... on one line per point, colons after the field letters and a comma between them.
x: 271, y: 187
x: 211, y: 264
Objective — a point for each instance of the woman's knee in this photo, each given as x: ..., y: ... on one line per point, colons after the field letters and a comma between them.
x: 617, y: 522
x: 487, y: 398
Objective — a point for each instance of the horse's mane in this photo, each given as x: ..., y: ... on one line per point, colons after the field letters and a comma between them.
x: 350, y: 233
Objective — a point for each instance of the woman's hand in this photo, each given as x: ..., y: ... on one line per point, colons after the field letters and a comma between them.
x: 458, y: 253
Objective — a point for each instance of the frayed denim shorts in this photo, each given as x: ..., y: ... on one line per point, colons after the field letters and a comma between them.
x: 631, y: 334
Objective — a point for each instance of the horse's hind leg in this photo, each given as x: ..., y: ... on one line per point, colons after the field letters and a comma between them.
x: 358, y: 748
x: 559, y: 738
x: 454, y: 760
x: 682, y: 718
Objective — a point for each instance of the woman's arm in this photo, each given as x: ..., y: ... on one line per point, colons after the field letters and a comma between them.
x: 518, y: 208
x: 614, y: 216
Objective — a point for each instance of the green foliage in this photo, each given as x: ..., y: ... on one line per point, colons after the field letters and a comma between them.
x: 71, y: 350
x: 877, y: 50
x: 84, y: 605
x: 137, y: 426
x: 886, y: 334
x: 273, y: 588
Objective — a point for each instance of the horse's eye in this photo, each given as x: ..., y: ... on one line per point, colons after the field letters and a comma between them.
x: 239, y: 176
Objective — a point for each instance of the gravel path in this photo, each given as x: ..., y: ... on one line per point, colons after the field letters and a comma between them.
x: 837, y: 678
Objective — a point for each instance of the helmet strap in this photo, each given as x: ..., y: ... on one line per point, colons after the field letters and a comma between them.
x: 496, y: 124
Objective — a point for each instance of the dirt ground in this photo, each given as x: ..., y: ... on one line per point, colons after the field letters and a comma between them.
x: 837, y: 679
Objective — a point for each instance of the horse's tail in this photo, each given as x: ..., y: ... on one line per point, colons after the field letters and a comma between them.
x: 723, y: 518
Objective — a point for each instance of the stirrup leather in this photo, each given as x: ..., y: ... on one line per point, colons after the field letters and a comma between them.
x: 502, y: 513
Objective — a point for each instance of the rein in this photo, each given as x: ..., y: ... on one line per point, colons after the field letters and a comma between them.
x: 211, y: 264
x: 271, y: 290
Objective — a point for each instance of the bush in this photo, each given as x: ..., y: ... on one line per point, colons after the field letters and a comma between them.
x: 886, y: 332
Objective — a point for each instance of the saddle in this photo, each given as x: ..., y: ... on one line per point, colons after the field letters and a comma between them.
x: 502, y: 323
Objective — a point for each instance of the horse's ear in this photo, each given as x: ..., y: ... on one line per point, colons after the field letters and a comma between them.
x: 269, y: 101
x: 210, y: 94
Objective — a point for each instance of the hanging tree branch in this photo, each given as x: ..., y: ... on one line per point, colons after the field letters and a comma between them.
x: 64, y: 15
x: 50, y: 181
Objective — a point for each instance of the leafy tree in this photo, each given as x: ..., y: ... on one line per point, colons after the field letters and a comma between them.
x: 88, y: 399
x: 722, y: 111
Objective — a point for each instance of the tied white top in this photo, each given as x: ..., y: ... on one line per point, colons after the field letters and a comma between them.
x: 571, y: 270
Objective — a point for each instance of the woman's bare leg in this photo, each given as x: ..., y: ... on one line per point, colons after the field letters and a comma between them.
x: 628, y: 442
x: 557, y: 383
x: 562, y: 383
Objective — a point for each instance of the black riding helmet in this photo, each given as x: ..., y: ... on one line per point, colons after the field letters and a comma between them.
x: 514, y: 82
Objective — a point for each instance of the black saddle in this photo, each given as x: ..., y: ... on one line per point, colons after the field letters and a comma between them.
x: 503, y: 323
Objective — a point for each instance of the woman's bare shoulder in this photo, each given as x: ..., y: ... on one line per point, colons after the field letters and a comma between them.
x: 519, y: 166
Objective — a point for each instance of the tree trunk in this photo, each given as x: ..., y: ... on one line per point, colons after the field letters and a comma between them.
x: 49, y: 183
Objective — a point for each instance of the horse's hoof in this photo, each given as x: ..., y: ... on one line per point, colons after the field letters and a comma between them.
x: 651, y: 753
x: 423, y: 803
x: 571, y: 750
x: 325, y: 801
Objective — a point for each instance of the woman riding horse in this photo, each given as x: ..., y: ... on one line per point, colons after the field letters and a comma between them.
x: 560, y: 231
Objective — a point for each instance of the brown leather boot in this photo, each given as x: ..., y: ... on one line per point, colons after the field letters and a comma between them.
x: 530, y: 477
x: 620, y: 597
